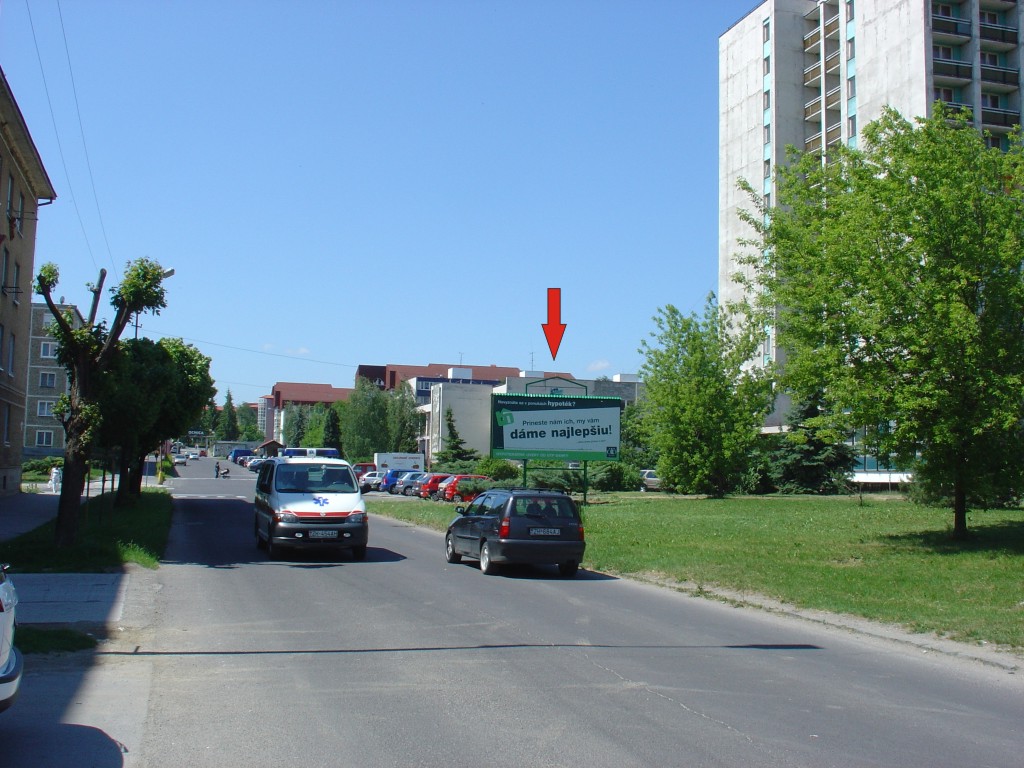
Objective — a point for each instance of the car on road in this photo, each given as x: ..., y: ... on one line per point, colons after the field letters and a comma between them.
x: 180, y: 459
x: 391, y: 477
x: 426, y: 486
x: 649, y: 480
x: 456, y: 490
x: 10, y: 657
x: 370, y: 481
x: 309, y: 503
x: 518, y: 525
x: 405, y: 484
x: 253, y: 465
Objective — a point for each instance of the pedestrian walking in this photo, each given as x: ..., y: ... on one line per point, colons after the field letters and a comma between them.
x: 216, y: 470
x: 55, y: 479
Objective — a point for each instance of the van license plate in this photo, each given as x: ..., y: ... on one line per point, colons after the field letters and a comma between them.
x: 545, y: 531
x: 323, y: 534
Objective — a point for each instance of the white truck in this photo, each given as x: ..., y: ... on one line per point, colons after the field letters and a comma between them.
x: 386, y: 461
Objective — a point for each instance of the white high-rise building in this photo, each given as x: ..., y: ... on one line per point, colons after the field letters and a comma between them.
x: 808, y: 73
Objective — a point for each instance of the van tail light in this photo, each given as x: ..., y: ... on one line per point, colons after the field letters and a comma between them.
x: 503, y: 529
x: 581, y: 533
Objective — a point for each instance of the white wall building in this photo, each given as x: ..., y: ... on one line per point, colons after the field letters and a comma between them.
x: 810, y: 73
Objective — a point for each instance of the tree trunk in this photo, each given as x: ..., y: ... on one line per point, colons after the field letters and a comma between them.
x: 70, y: 505
x: 124, y: 486
x: 138, y: 471
x: 959, y: 510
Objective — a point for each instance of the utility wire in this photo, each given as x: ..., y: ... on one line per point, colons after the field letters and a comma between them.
x: 81, y: 130
x: 60, y: 147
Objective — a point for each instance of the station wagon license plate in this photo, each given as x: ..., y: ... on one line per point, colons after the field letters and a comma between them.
x: 323, y: 534
x: 545, y: 531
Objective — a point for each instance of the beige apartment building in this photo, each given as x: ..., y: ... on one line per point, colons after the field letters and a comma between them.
x: 47, y: 381
x: 24, y: 186
x: 811, y: 73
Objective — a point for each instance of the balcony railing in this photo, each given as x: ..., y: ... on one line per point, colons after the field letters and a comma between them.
x: 811, y: 39
x: 813, y: 144
x: 947, y: 25
x: 1002, y: 117
x: 1001, y: 75
x: 812, y: 109
x: 998, y: 34
x: 948, y: 68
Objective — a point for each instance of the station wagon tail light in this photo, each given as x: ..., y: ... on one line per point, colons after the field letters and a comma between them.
x: 581, y: 532
x: 504, y: 528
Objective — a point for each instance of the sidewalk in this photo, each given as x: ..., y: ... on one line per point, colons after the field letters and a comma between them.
x: 83, y: 599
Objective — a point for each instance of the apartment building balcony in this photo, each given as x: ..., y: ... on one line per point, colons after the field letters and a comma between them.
x: 812, y: 75
x: 946, y: 29
x: 812, y: 40
x: 999, y: 118
x: 812, y: 110
x: 997, y: 37
x: 834, y: 98
x: 833, y: 134
x: 997, y: 5
x: 956, y: 106
x: 832, y: 25
x: 950, y: 72
x: 1000, y: 79
x: 813, y: 143
x: 832, y: 62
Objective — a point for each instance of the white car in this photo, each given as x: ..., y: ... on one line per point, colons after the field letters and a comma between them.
x: 180, y: 459
x: 10, y: 657
x: 370, y: 481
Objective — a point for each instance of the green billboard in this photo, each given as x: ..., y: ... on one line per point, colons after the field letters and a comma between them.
x: 555, y: 427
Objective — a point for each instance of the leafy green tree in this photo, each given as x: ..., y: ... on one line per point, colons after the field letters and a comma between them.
x: 332, y: 430
x: 313, y: 435
x: 248, y: 423
x: 703, y: 407
x: 635, y: 445
x: 364, y: 422
x: 86, y: 354
x: 294, y: 424
x: 895, y: 272
x: 809, y: 458
x: 228, y: 423
x: 496, y: 469
x: 405, y: 424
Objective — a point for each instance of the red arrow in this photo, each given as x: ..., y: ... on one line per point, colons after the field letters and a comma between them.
x: 554, y: 328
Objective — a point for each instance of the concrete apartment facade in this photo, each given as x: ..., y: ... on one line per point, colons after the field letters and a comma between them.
x: 24, y: 185
x: 47, y: 381
x: 811, y: 73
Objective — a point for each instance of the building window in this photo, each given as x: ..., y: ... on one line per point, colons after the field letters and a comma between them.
x: 44, y: 438
x: 993, y: 142
x: 851, y: 50
x: 942, y: 9
x: 851, y: 125
x: 10, y: 356
x: 767, y: 99
x: 766, y: 66
x: 768, y: 134
x: 944, y: 94
x: 990, y: 100
x: 5, y: 266
x: 768, y: 201
x: 989, y: 59
x: 766, y: 31
x: 989, y: 17
x: 44, y: 408
x: 47, y: 380
x: 851, y: 87
x: 1, y: 347
x: 7, y: 424
x: 944, y: 52
x: 21, y: 210
x: 17, y: 281
x: 849, y: 10
x: 48, y: 349
x: 767, y: 169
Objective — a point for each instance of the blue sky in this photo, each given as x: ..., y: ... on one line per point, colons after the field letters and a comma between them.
x: 346, y: 183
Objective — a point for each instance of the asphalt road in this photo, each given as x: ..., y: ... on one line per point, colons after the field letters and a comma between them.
x: 228, y: 658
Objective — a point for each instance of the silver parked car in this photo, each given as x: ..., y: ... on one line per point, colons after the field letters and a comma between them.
x: 10, y: 657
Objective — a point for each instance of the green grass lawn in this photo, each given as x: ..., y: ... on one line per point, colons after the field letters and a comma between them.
x: 886, y: 560
x: 108, y: 537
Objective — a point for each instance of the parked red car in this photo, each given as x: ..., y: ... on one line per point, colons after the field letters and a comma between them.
x: 452, y: 492
x: 428, y: 488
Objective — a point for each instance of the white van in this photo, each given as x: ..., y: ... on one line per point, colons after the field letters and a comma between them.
x: 309, y: 502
